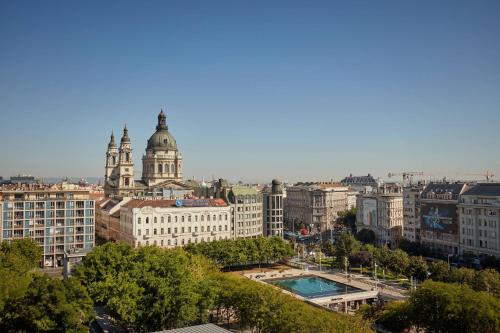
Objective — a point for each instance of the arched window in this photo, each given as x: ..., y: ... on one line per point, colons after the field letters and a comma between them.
x: 182, y: 218
x: 167, y: 169
x: 147, y: 220
x: 172, y: 168
x: 155, y: 219
x: 175, y: 219
x: 202, y: 218
x: 114, y: 160
x: 215, y: 218
x: 162, y: 219
x: 160, y: 168
x: 127, y: 157
x: 138, y: 220
x: 169, y: 219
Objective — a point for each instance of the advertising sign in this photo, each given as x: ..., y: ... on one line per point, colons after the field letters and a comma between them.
x: 370, y: 212
x: 439, y: 217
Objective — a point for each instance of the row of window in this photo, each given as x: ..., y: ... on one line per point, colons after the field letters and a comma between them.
x: 175, y: 242
x: 184, y: 218
x: 161, y: 231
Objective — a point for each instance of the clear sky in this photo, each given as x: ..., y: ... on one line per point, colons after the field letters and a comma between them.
x: 254, y: 90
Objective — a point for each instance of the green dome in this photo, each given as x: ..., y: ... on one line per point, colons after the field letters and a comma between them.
x: 162, y: 139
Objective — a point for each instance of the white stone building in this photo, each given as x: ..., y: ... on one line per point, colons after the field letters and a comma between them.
x: 171, y: 223
x: 479, y: 215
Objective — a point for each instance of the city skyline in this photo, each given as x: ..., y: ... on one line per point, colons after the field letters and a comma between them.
x: 326, y: 91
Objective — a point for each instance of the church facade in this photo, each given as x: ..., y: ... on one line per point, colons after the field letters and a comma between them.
x: 161, y: 167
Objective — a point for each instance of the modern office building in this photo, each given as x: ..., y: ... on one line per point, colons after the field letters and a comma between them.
x: 439, y: 216
x: 171, y: 223
x: 479, y: 214
x: 382, y: 213
x: 57, y: 219
x: 316, y: 205
x: 273, y: 209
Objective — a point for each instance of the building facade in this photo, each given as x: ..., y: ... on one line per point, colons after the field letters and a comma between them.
x: 439, y: 216
x: 58, y: 220
x: 479, y: 214
x: 383, y: 214
x: 273, y: 209
x: 317, y: 205
x: 161, y: 167
x: 411, y: 212
x: 247, y: 211
x: 171, y: 223
x: 107, y: 218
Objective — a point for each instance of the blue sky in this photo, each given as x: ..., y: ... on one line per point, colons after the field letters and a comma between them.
x: 296, y: 90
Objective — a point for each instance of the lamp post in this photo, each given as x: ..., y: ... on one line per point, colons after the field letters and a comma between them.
x: 346, y: 262
x: 449, y: 255
x: 375, y: 274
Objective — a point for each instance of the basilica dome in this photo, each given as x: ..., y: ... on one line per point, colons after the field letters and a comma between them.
x: 161, y: 139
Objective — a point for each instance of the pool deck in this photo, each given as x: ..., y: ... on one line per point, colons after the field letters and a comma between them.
x: 367, y: 291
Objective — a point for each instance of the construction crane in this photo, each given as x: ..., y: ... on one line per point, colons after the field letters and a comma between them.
x: 488, y: 175
x: 407, y: 175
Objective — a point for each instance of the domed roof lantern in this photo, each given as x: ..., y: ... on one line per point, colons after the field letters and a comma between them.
x: 161, y: 140
x: 162, y: 121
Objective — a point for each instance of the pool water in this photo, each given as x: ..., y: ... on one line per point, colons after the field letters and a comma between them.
x: 313, y: 286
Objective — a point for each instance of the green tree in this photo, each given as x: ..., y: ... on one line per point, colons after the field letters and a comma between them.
x: 417, y: 268
x: 366, y: 236
x: 348, y: 219
x: 398, y: 261
x: 345, y: 246
x: 444, y: 307
x: 487, y: 280
x: 49, y: 305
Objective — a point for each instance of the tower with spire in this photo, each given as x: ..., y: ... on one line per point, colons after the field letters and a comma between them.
x: 111, y: 158
x: 125, y: 167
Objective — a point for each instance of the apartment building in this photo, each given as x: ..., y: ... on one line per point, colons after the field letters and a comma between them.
x: 382, y: 212
x: 171, y: 223
x: 411, y: 212
x: 58, y: 219
x: 316, y: 205
x: 439, y: 216
x: 479, y: 213
x: 247, y: 211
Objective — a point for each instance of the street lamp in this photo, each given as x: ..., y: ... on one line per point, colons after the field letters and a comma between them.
x: 449, y: 255
x: 375, y: 274
x: 346, y: 262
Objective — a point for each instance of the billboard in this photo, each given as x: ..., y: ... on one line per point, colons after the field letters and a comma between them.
x: 370, y: 212
x: 439, y: 217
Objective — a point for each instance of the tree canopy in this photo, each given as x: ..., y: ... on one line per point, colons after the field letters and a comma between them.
x: 443, y: 307
x: 243, y: 251
x: 34, y: 302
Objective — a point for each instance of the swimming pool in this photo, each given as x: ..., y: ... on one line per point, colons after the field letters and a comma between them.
x: 313, y: 286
